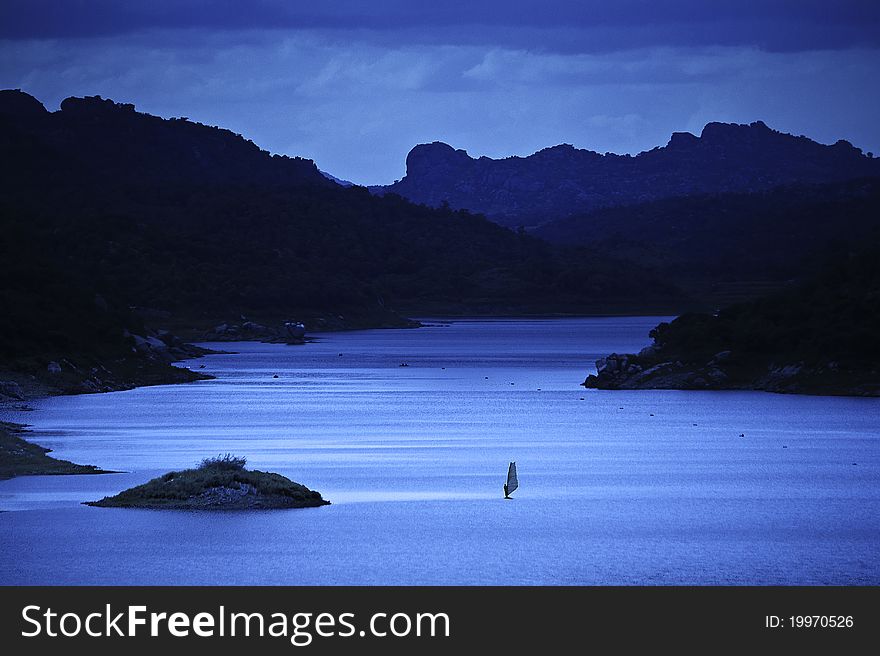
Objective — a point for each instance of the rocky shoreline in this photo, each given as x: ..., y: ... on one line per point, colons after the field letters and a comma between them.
x: 725, y: 371
x: 149, y: 363
x: 152, y: 353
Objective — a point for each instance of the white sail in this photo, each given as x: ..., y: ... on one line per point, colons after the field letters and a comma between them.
x: 512, y: 482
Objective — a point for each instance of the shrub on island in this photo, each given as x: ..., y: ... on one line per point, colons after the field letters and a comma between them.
x: 218, y: 483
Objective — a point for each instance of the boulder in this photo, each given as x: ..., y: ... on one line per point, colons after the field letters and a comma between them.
x: 15, y: 102
x: 12, y: 390
x: 721, y: 356
x: 156, y: 344
x: 651, y: 372
x: 612, y: 363
x: 141, y: 343
x: 716, y: 375
x: 149, y: 344
x: 169, y: 338
x: 295, y: 329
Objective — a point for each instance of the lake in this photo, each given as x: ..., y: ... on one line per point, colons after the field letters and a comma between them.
x: 628, y: 487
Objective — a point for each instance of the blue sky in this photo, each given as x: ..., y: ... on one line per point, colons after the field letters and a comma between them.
x: 354, y: 85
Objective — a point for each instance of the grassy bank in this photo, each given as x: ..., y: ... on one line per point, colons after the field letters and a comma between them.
x: 18, y: 457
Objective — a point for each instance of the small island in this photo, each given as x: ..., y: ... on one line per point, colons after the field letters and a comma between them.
x: 220, y: 483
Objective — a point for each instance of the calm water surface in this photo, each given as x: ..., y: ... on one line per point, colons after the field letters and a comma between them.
x: 639, y: 487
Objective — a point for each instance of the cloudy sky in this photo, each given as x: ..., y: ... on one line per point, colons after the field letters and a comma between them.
x: 354, y: 85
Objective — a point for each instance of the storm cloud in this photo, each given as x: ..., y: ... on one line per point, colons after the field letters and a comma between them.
x: 579, y: 25
x: 355, y: 85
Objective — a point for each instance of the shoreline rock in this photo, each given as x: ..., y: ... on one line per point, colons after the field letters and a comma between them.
x: 292, y: 331
x: 724, y: 371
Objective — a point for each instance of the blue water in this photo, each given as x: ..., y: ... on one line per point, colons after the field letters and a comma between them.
x: 638, y: 487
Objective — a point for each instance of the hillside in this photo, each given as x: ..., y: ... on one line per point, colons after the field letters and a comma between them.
x: 119, y: 224
x: 93, y: 140
x: 563, y: 181
x: 729, y: 241
x: 819, y: 337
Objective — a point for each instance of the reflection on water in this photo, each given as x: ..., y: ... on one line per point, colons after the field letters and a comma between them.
x: 652, y: 487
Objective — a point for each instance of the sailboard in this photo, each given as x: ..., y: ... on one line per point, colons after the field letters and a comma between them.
x: 512, y: 481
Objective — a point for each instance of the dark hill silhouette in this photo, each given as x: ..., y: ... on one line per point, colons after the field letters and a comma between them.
x: 92, y: 139
x: 562, y: 181
x: 817, y: 337
x: 715, y: 239
x: 196, y: 226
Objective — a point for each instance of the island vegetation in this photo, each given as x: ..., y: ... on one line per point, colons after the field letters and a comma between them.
x: 218, y: 483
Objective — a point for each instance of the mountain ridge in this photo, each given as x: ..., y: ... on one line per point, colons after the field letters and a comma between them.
x: 119, y: 226
x: 561, y: 181
x: 154, y: 150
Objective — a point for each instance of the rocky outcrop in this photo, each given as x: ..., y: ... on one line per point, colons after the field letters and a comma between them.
x: 643, y: 371
x: 10, y: 391
x: 632, y: 372
x: 286, y: 332
x: 563, y: 181
x: 147, y: 362
x: 17, y: 103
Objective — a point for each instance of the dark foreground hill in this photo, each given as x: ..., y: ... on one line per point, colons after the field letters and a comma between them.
x: 118, y: 223
x: 562, y: 181
x: 97, y: 141
x: 819, y: 337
